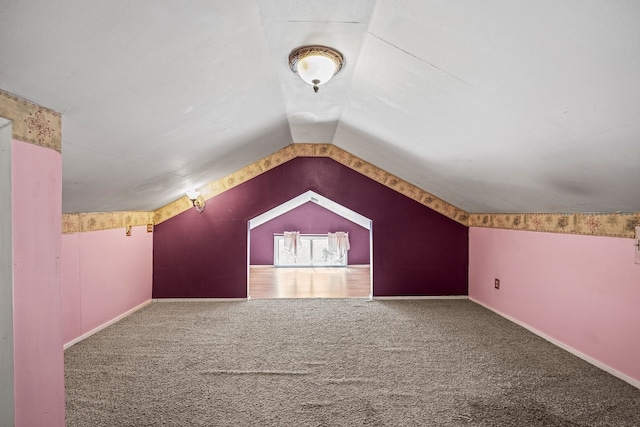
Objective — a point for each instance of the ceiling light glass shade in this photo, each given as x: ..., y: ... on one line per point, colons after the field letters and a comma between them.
x: 315, y: 64
x: 197, y: 200
x: 316, y: 69
x: 192, y: 194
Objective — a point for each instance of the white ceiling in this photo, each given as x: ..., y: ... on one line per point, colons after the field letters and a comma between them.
x: 493, y: 106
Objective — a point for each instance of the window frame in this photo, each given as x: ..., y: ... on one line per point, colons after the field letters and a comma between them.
x: 278, y: 237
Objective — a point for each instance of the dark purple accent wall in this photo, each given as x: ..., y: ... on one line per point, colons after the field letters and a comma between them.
x: 416, y: 251
x: 308, y: 218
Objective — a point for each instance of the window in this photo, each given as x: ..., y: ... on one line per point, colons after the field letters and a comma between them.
x: 313, y: 253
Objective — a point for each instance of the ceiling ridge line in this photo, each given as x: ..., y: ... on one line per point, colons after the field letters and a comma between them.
x: 424, y: 61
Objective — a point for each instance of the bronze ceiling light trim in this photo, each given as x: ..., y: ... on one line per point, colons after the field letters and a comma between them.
x: 315, y: 64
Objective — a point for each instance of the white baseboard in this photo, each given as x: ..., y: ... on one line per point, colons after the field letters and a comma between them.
x: 586, y: 358
x: 421, y: 297
x: 199, y: 299
x: 367, y: 297
x: 104, y: 325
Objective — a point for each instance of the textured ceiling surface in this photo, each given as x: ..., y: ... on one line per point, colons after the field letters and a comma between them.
x: 493, y: 106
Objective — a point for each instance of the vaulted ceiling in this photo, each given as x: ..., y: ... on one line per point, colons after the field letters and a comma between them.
x: 493, y: 106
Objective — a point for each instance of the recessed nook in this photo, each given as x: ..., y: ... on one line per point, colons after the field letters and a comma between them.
x: 320, y: 276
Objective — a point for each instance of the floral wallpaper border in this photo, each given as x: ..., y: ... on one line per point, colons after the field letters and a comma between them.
x: 610, y: 225
x: 96, y: 221
x: 315, y: 150
x: 31, y: 122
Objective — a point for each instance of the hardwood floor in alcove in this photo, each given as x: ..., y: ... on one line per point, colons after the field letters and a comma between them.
x: 266, y: 281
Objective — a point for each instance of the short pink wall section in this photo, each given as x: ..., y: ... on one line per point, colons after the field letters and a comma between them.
x: 580, y: 290
x: 37, y: 285
x: 105, y: 274
x: 71, y: 295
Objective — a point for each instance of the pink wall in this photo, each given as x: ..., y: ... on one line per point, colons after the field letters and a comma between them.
x: 583, y: 291
x: 105, y: 274
x: 37, y: 285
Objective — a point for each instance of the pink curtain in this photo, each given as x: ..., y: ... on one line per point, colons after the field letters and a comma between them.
x: 292, y: 242
x: 339, y: 242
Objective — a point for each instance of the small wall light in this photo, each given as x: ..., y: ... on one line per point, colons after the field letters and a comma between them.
x: 196, y: 199
x: 315, y: 64
x: 637, y: 245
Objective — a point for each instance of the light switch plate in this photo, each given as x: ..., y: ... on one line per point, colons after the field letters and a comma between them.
x: 637, y: 245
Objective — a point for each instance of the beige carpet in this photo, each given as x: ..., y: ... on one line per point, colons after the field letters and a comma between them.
x: 338, y: 362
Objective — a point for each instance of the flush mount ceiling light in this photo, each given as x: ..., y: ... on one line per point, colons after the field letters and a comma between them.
x: 315, y: 64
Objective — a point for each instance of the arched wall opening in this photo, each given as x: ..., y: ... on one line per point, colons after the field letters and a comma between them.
x: 310, y: 213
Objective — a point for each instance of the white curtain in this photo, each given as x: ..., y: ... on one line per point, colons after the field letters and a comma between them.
x: 292, y: 242
x: 339, y: 242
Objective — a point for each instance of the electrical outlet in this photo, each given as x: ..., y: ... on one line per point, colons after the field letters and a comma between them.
x: 497, y: 284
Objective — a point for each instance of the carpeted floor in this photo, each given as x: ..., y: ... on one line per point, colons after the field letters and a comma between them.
x: 334, y: 362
